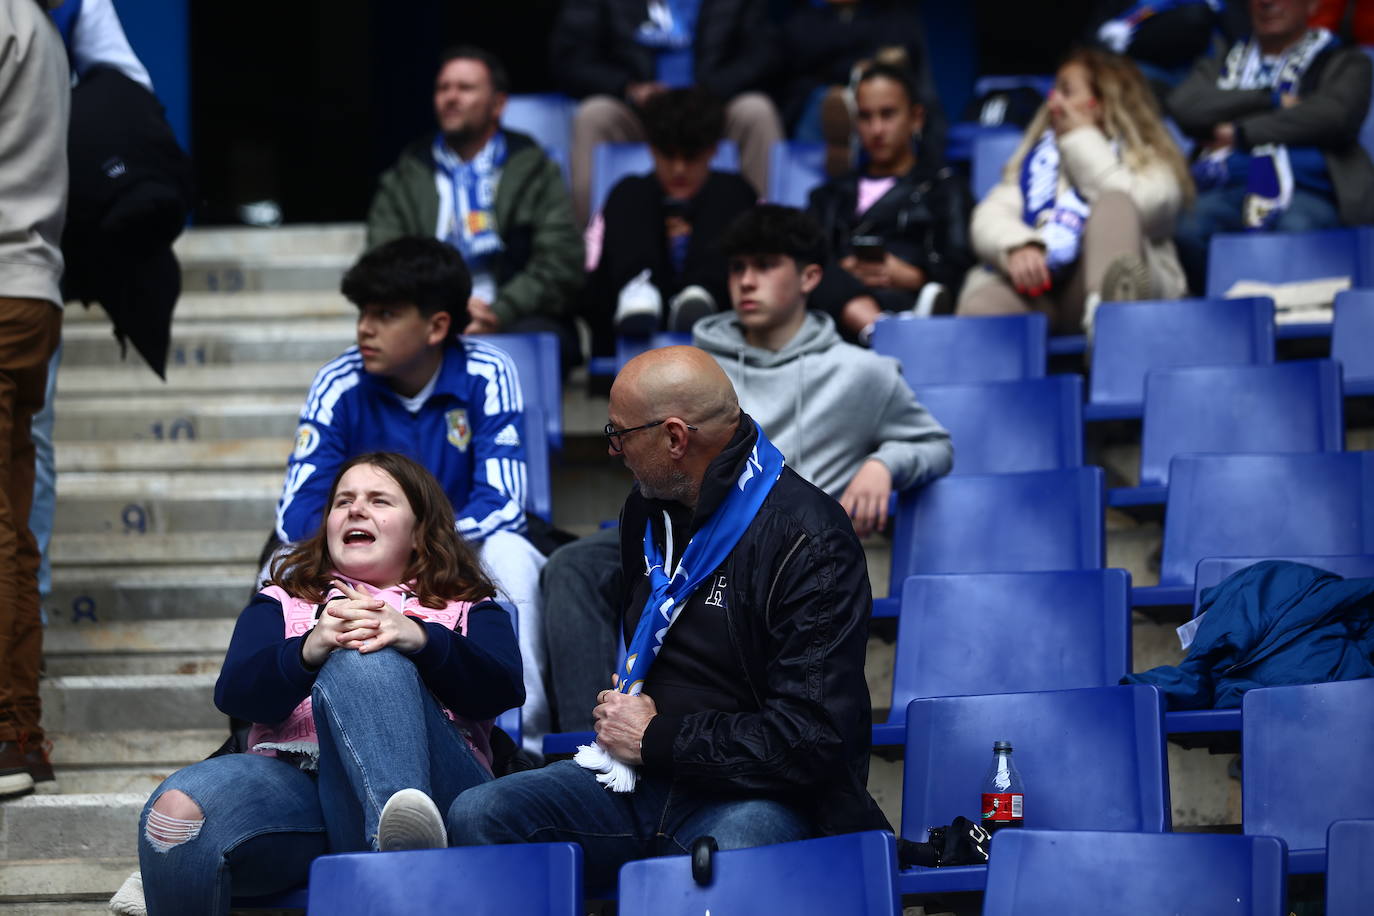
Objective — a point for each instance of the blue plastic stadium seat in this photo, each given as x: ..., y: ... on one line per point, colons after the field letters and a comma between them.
x: 1131, y: 338
x: 854, y: 874
x: 992, y: 149
x: 1091, y: 759
x: 1256, y: 505
x: 1349, y: 879
x: 1284, y: 407
x: 539, y: 482
x: 945, y: 349
x: 1307, y: 751
x: 1004, y: 427
x: 540, y: 368
x: 535, y: 879
x: 627, y: 348
x: 1108, y: 873
x: 1038, y: 520
x: 1007, y: 632
x: 794, y: 169
x: 509, y: 721
x: 547, y: 117
x: 1284, y: 257
x: 614, y: 161
x: 1352, y: 332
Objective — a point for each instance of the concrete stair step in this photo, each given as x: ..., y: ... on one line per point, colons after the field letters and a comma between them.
x: 76, y: 886
x: 160, y: 748
x: 220, y: 342
x: 178, y: 417
x: 95, y: 826
x: 254, y: 306
x: 244, y: 377
x: 140, y: 503
x: 125, y: 780
x: 84, y: 703
x: 138, y: 647
x: 116, y: 457
x: 345, y: 239
x: 86, y: 595
x: 159, y: 549
x: 287, y: 273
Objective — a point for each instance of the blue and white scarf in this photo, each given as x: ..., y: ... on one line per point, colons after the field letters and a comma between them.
x: 1269, y: 181
x: 1058, y: 215
x: 1118, y: 33
x: 467, y: 218
x: 707, y: 549
x: 670, y: 27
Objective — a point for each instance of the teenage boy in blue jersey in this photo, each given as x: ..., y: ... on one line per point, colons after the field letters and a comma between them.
x: 453, y: 403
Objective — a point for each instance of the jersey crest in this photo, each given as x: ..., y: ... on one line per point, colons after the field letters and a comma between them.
x: 459, y: 432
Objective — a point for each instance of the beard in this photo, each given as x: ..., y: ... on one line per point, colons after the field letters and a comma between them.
x: 674, y: 486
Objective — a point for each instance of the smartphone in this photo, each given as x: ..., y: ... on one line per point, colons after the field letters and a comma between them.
x: 868, y: 248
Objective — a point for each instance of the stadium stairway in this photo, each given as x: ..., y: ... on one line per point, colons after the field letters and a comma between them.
x: 165, y: 496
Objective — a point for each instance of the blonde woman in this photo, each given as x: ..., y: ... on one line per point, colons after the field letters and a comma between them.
x: 1086, y: 206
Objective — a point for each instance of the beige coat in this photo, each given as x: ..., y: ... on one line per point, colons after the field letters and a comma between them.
x: 1088, y: 162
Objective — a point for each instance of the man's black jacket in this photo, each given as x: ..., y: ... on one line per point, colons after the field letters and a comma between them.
x: 784, y: 710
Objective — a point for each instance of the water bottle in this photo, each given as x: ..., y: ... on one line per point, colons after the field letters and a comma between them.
x: 1002, y: 793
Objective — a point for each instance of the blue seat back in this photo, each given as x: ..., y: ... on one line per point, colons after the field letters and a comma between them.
x: 1281, y: 257
x: 1367, y: 128
x: 854, y: 873
x: 1090, y: 759
x: 1349, y: 879
x: 1082, y: 873
x: 1131, y: 338
x: 539, y: 481
x: 614, y: 161
x: 992, y: 149
x: 1352, y: 331
x: 537, y: 361
x: 627, y: 348
x: 946, y: 349
x: 1211, y: 570
x: 510, y: 721
x: 1008, y: 632
x: 1283, y: 407
x: 538, y: 879
x: 1004, y: 427
x: 1307, y: 751
x: 794, y: 169
x: 547, y: 117
x: 1266, y: 505
x: 1038, y: 520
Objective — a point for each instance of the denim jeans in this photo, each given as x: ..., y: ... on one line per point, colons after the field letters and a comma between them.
x: 564, y: 803
x: 1219, y: 210
x: 44, y: 484
x: 581, y: 587
x: 265, y: 820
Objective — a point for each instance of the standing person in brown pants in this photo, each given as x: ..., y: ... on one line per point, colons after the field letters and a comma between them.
x: 35, y: 96
x: 1085, y: 209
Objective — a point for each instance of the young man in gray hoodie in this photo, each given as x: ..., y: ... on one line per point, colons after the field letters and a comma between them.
x: 841, y: 415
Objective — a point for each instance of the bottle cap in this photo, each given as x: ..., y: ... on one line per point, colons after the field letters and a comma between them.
x: 1002, y: 746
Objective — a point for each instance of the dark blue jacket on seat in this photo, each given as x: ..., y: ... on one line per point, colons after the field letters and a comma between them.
x: 1267, y: 625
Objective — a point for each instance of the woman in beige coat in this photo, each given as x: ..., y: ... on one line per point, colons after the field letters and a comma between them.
x: 1086, y: 206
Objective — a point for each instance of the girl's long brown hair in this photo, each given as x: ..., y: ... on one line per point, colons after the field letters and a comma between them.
x: 1130, y: 115
x: 443, y: 566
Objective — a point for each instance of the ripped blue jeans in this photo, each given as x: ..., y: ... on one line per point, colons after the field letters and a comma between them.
x: 264, y: 820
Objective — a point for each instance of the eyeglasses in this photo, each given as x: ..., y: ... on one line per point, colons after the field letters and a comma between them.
x: 613, y: 435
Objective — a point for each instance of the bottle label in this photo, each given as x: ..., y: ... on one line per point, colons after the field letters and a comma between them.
x: 1001, y: 807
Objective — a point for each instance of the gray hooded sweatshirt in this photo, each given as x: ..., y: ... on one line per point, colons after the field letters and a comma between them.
x: 829, y: 406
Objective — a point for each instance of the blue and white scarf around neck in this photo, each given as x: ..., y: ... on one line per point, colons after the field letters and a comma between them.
x: 1269, y: 180
x: 468, y: 223
x: 1058, y: 215
x: 704, y: 553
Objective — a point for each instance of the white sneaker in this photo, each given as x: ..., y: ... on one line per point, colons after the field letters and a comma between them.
x: 410, y: 820
x: 932, y: 300
x: 128, y: 900
x: 639, y: 309
x: 688, y: 307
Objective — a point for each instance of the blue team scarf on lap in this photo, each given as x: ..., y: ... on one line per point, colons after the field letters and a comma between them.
x: 471, y: 225
x: 707, y: 549
x: 1059, y: 216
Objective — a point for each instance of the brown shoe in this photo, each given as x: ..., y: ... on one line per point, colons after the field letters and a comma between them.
x: 14, y: 771
x: 38, y: 759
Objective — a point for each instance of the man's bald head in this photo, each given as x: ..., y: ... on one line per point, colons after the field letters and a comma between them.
x: 695, y: 411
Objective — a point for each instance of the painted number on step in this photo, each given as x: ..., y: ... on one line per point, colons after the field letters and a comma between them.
x: 83, y: 607
x: 182, y: 355
x: 225, y: 280
x: 180, y: 428
x: 135, y: 519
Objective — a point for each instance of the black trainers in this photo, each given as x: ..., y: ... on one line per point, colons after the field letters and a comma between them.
x: 38, y: 759
x: 15, y: 779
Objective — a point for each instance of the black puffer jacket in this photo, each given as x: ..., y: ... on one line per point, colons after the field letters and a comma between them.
x: 787, y: 713
x: 594, y: 51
